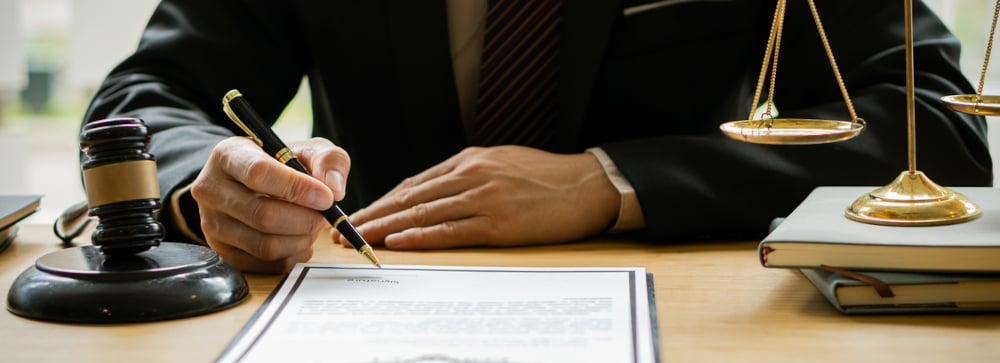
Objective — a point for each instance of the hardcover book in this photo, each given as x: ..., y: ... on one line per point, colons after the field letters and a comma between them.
x: 902, y: 292
x: 14, y: 208
x: 818, y: 233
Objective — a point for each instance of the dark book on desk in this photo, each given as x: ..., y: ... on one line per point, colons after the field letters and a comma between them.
x: 817, y: 233
x: 14, y: 208
x: 904, y: 292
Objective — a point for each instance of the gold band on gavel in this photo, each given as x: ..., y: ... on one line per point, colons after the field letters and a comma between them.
x: 121, y: 182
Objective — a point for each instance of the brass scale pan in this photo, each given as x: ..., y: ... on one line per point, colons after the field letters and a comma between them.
x: 973, y: 104
x: 978, y: 104
x: 812, y: 131
x: 791, y: 131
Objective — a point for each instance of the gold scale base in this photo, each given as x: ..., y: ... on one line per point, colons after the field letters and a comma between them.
x: 912, y: 200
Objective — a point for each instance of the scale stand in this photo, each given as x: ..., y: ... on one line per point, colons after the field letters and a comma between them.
x: 912, y: 199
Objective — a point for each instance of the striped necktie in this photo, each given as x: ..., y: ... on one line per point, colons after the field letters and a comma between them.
x: 520, y: 64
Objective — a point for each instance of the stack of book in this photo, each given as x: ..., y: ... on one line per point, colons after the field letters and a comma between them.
x: 865, y: 268
x: 14, y: 208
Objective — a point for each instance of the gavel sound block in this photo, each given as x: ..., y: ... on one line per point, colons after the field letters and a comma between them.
x: 128, y: 274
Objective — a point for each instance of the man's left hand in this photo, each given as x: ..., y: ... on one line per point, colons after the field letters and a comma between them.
x: 495, y: 196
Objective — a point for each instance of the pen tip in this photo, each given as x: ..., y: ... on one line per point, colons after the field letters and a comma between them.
x: 370, y: 255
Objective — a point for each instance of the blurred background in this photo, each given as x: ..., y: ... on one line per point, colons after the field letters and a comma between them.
x: 54, y: 54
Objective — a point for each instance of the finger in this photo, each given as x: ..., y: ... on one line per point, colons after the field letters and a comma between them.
x: 421, y: 215
x: 334, y: 235
x: 475, y: 231
x: 339, y: 239
x: 423, y: 187
x: 246, y: 262
x: 262, y: 213
x: 432, y: 202
x: 326, y: 162
x: 249, y: 250
x: 407, y: 197
x: 228, y: 232
x: 249, y: 165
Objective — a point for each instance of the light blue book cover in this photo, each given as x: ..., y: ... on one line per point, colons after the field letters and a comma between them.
x: 904, y: 292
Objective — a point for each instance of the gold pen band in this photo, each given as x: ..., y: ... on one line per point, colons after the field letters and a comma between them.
x: 284, y: 155
x: 338, y: 221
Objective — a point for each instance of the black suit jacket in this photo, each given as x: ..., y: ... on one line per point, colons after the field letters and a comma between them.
x: 650, y: 85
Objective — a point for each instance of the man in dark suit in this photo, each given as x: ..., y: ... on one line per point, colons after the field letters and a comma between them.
x: 639, y: 93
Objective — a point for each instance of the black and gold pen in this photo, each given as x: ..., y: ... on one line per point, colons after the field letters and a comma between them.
x: 239, y: 110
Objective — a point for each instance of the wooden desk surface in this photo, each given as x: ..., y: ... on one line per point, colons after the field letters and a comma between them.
x: 714, y: 302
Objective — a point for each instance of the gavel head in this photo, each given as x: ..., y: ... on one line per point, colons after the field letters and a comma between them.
x: 122, y: 189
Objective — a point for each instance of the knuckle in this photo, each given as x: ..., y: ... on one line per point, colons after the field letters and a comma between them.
x: 261, y: 215
x: 404, y: 199
x: 294, y: 188
x: 201, y: 190
x: 223, y: 155
x: 467, y: 198
x: 266, y: 248
x: 409, y: 181
x: 322, y: 153
x: 450, y: 232
x: 255, y: 172
x: 419, y: 214
x: 476, y: 167
x: 336, y: 156
x: 471, y: 150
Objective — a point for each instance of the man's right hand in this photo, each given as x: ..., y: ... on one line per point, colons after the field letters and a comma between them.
x: 259, y: 214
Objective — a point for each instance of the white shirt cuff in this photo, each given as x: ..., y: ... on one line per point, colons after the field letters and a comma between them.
x: 629, y: 212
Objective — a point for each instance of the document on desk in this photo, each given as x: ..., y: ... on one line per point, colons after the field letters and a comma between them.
x: 447, y: 314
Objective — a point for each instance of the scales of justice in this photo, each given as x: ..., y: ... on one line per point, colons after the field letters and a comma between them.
x: 912, y: 199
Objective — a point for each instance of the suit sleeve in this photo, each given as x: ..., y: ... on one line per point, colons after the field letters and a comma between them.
x: 707, y: 186
x: 190, y: 54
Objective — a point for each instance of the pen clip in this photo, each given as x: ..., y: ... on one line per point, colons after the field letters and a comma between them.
x: 231, y: 95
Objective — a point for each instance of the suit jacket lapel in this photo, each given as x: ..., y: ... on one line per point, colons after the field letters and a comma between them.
x: 586, y: 28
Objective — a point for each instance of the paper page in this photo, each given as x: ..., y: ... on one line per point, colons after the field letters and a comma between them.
x: 418, y: 314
